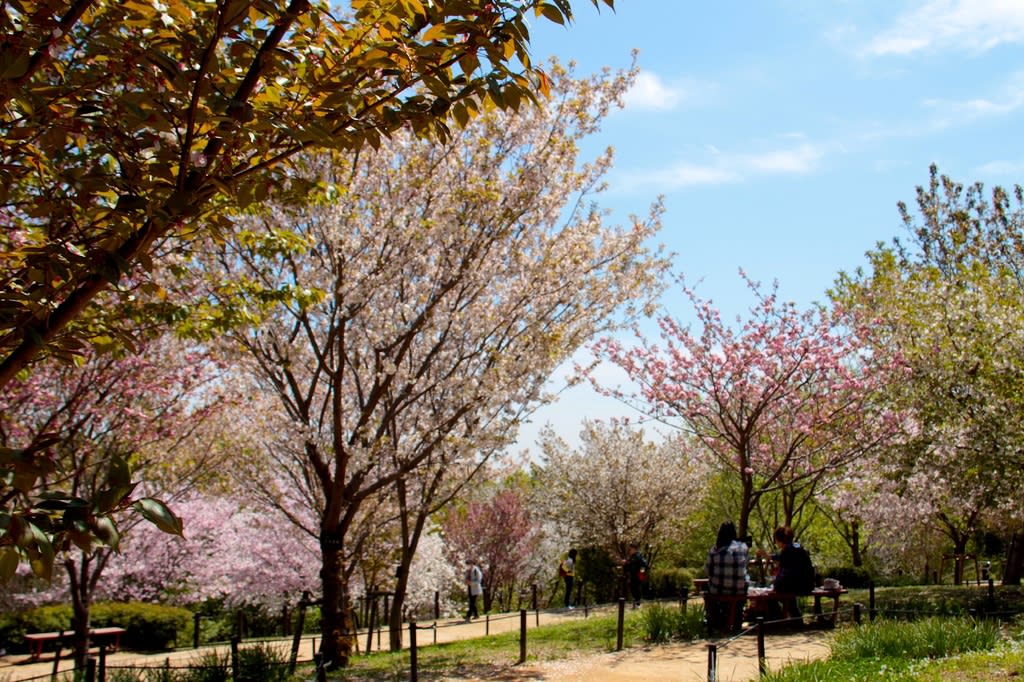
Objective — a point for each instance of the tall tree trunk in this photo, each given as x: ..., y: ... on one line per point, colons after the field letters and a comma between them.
x: 81, y: 599
x: 855, y: 553
x: 746, y: 506
x: 337, y: 625
x: 398, y: 602
x: 1014, y: 560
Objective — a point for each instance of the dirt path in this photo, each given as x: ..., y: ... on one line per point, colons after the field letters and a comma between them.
x: 737, y: 660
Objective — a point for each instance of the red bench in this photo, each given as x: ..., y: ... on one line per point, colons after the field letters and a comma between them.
x: 36, y: 640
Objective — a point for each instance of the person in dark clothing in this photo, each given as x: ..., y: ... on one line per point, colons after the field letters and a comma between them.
x: 567, y: 569
x: 635, y: 567
x: 794, y: 572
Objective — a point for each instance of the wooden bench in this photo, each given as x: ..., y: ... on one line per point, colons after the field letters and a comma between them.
x: 37, y: 639
x: 820, y: 593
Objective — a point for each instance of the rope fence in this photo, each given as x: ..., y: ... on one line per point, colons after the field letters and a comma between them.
x: 98, y: 669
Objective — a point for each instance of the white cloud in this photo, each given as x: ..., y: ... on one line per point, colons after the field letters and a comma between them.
x: 938, y: 115
x: 727, y: 168
x: 1001, y: 168
x: 948, y: 113
x: 650, y: 92
x: 971, y: 25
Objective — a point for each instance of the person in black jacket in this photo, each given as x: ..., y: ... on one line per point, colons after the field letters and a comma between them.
x: 794, y: 571
x: 635, y: 568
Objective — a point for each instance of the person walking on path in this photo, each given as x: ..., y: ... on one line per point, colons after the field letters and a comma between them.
x: 474, y: 587
x: 567, y: 569
x: 635, y: 567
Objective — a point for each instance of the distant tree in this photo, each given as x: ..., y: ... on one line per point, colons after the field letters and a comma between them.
x: 783, y: 402
x: 949, y: 305
x: 229, y: 552
x: 618, y: 487
x: 501, y: 533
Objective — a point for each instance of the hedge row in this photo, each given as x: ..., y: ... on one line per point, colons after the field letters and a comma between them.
x: 150, y: 627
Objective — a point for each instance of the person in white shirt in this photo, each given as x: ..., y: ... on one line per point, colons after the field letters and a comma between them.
x: 474, y: 586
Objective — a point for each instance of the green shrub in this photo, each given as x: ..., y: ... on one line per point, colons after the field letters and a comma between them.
x: 663, y: 622
x: 668, y: 583
x: 601, y: 575
x: 219, y: 623
x: 262, y: 663
x: 856, y: 577
x: 14, y: 626
x: 209, y: 667
x: 149, y: 626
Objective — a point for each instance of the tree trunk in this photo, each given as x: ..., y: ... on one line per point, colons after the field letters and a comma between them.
x: 746, y: 506
x: 1014, y: 560
x: 856, y: 556
x: 81, y: 598
x: 398, y: 604
x: 337, y: 626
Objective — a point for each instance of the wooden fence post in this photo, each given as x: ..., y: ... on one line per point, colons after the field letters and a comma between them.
x: 522, y: 635
x: 762, y: 664
x: 234, y: 656
x: 621, y: 625
x: 413, y: 674
x: 871, y: 602
x: 712, y: 662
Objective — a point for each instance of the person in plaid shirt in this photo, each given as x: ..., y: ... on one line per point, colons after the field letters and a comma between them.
x: 726, y: 569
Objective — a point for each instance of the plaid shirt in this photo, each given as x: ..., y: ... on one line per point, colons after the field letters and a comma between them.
x: 727, y: 569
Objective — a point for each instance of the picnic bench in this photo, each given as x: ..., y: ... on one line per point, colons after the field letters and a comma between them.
x: 37, y: 639
x: 760, y: 598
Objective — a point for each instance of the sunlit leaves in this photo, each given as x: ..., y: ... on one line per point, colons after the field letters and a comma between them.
x: 129, y: 124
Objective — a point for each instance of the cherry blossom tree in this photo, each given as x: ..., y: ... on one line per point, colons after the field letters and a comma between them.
x: 948, y: 305
x: 115, y: 415
x: 618, y: 487
x: 433, y: 291
x: 782, y: 402
x: 229, y: 551
x: 501, y: 533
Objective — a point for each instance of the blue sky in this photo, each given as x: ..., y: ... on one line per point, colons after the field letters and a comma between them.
x: 783, y: 133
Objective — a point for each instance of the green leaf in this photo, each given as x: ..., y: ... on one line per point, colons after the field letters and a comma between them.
x: 106, y: 531
x: 160, y: 515
x: 43, y: 564
x: 109, y: 498
x: 551, y: 13
x: 120, y: 475
x: 9, y: 559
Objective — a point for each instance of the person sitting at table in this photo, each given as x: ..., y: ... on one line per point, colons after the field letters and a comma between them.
x: 726, y: 569
x: 794, y: 572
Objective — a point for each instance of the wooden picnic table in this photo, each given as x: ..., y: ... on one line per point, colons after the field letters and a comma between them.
x: 760, y: 598
x: 37, y: 639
